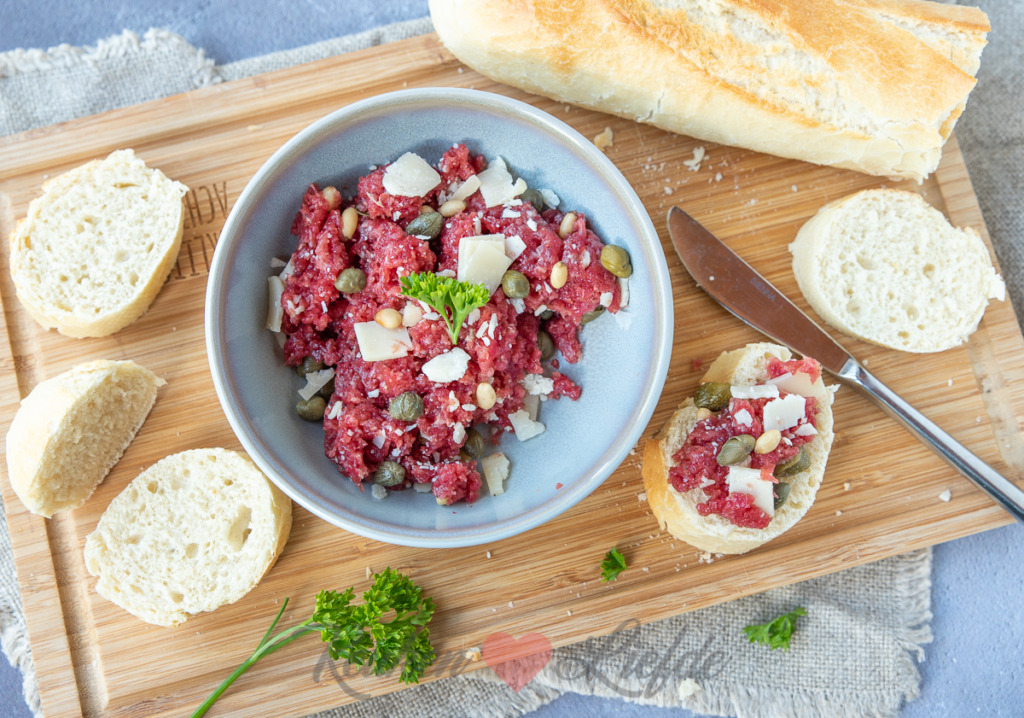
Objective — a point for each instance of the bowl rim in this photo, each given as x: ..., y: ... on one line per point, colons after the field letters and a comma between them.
x: 543, y: 121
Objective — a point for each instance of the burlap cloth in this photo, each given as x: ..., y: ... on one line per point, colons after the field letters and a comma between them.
x: 856, y: 650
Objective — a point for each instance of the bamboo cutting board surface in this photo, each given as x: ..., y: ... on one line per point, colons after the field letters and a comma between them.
x: 880, y: 496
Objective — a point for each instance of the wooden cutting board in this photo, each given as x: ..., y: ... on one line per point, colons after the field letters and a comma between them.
x: 880, y: 497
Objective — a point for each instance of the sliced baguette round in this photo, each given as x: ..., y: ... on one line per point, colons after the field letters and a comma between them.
x: 193, y: 532
x: 96, y: 247
x: 72, y: 428
x: 677, y: 512
x: 886, y: 266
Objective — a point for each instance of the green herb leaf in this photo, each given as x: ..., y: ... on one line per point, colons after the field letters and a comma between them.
x: 390, y: 624
x: 613, y: 564
x: 775, y: 634
x: 449, y: 297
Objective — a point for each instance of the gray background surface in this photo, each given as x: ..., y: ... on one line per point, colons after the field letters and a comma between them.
x: 973, y: 666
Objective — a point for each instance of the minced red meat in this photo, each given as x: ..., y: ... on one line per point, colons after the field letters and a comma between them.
x: 359, y: 433
x: 697, y: 468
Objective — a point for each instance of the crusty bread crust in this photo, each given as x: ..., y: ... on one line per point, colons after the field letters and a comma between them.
x: 72, y: 428
x: 677, y: 513
x: 870, y: 85
x: 96, y: 247
x: 193, y: 532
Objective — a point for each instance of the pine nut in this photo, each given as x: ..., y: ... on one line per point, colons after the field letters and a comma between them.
x: 485, y: 396
x: 567, y: 224
x: 559, y: 275
x: 451, y: 208
x: 332, y: 196
x: 388, y: 318
x: 767, y: 442
x: 349, y: 222
x: 703, y: 413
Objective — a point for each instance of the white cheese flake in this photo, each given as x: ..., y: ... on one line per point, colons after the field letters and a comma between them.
x: 537, y: 385
x: 377, y: 343
x: 335, y: 411
x: 497, y: 186
x: 275, y: 312
x: 623, y: 292
x: 514, y: 246
x: 496, y: 470
x: 784, y: 413
x: 315, y: 381
x: 798, y: 383
x: 458, y: 433
x: 482, y: 260
x: 606, y: 299
x: 550, y: 198
x: 467, y: 188
x: 410, y: 176
x: 447, y: 367
x: 748, y: 481
x: 524, y: 427
x: 378, y: 492
x: 743, y: 418
x: 757, y: 391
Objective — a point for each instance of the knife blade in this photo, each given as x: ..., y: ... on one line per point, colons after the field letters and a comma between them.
x: 741, y: 290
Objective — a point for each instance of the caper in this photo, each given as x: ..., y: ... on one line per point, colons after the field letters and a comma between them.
x: 426, y: 225
x: 309, y: 364
x: 591, y: 316
x: 311, y: 409
x: 546, y: 344
x: 389, y: 473
x: 616, y: 260
x: 351, y: 281
x: 535, y: 198
x: 800, y: 462
x: 407, y: 406
x: 781, y: 493
x: 475, y: 444
x: 515, y: 284
x: 713, y: 395
x: 735, y: 450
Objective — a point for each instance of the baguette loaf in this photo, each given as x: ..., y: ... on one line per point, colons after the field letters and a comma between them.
x: 886, y: 266
x: 677, y: 512
x: 72, y: 428
x: 870, y: 85
x: 193, y: 532
x: 96, y: 247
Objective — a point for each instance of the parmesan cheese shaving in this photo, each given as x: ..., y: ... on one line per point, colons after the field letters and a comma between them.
x: 410, y: 176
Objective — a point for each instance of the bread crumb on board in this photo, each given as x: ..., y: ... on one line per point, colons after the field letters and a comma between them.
x: 945, y: 495
x: 604, y: 139
x: 698, y: 156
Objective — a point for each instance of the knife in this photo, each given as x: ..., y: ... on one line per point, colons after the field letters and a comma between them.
x: 740, y: 289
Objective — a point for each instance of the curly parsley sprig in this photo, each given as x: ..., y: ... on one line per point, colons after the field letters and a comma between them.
x: 359, y: 634
x: 449, y: 297
x: 775, y: 634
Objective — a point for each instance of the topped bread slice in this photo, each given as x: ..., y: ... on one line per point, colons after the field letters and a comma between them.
x: 96, y: 247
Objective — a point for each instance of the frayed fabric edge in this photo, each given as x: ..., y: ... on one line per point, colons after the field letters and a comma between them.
x: 16, y: 647
x: 25, y: 61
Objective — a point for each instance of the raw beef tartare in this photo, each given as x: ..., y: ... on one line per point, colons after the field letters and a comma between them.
x: 425, y: 311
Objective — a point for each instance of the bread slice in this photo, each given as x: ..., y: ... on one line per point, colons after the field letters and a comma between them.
x: 96, y: 247
x: 886, y: 266
x: 677, y: 512
x: 871, y: 85
x: 193, y: 532
x: 72, y: 428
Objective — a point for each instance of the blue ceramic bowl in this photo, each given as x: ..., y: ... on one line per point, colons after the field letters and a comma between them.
x: 625, y: 356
